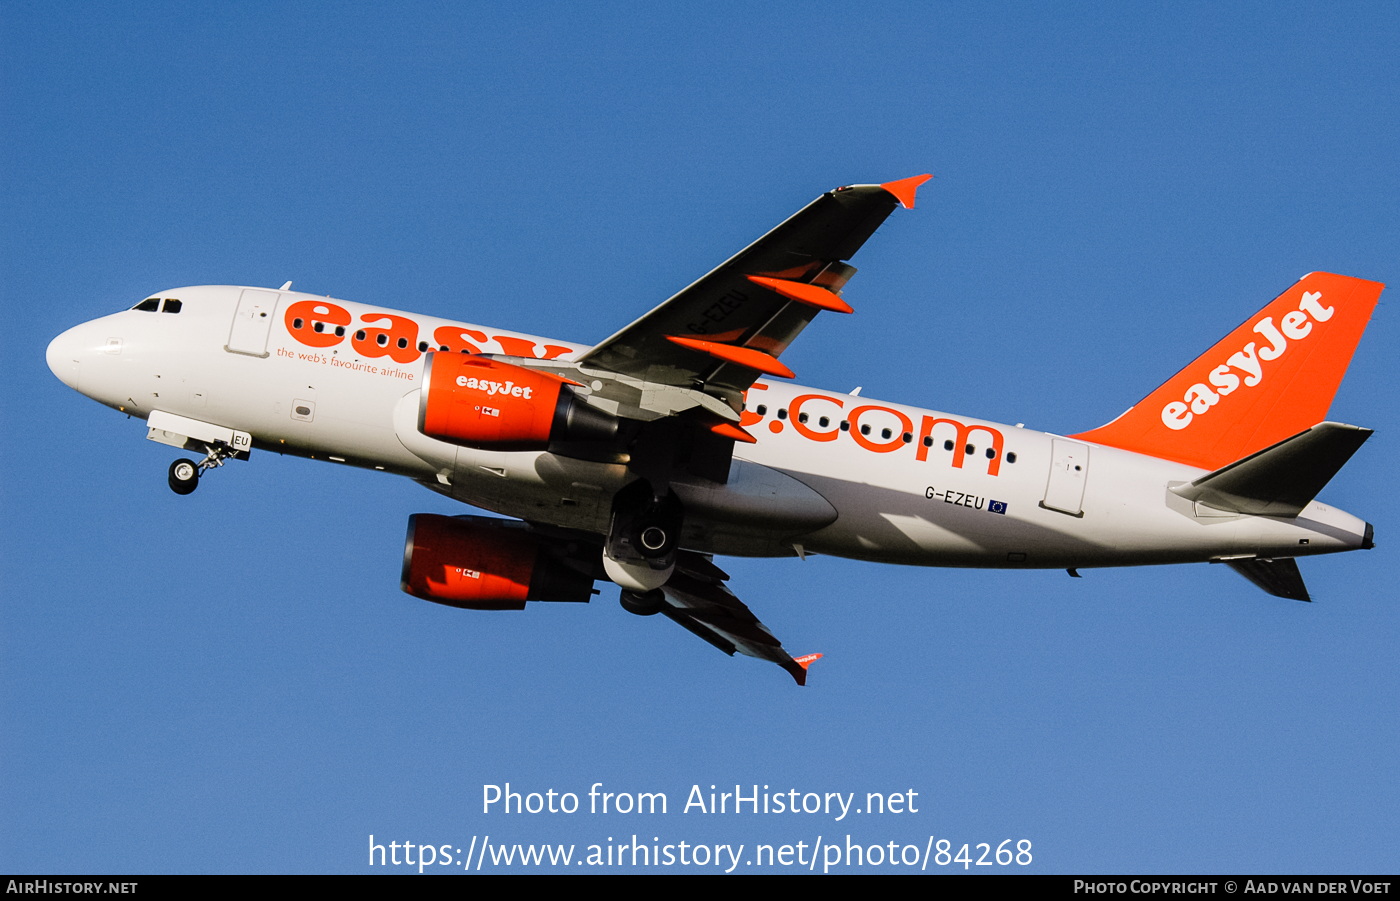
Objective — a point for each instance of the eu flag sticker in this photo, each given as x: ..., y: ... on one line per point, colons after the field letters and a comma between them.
x: 997, y: 506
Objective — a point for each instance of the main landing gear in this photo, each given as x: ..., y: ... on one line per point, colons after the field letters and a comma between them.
x: 184, y: 474
x: 647, y: 603
x: 643, y: 537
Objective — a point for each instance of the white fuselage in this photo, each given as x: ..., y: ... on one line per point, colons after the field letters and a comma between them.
x: 230, y: 358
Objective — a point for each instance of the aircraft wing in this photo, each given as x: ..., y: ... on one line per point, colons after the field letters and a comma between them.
x: 698, y: 600
x: 728, y: 328
x: 704, y: 348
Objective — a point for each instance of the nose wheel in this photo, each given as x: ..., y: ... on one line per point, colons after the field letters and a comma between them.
x: 184, y: 474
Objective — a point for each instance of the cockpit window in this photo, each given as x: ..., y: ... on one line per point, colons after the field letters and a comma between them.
x: 152, y: 304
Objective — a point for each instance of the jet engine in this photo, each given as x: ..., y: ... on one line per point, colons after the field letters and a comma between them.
x: 487, y: 404
x: 478, y: 563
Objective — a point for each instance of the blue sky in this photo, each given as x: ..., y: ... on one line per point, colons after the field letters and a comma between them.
x: 233, y: 681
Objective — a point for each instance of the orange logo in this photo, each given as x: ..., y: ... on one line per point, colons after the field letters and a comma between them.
x: 320, y: 323
x: 959, y: 442
x: 1199, y: 398
x: 960, y: 446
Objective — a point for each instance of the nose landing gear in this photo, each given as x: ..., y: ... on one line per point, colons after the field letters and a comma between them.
x: 184, y: 474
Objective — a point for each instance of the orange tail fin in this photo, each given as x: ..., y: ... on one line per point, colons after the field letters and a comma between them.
x: 1272, y: 377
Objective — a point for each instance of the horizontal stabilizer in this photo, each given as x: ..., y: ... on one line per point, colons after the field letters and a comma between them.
x: 1279, y: 480
x: 1279, y: 578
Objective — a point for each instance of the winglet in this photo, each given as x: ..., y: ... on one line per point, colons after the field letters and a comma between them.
x: 798, y: 666
x: 903, y: 190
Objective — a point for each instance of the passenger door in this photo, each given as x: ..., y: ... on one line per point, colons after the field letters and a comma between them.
x: 1069, y: 469
x: 252, y: 322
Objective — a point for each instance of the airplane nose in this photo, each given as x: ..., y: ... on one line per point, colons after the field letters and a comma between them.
x: 64, y: 359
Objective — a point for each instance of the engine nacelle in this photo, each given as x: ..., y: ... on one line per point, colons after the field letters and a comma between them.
x: 476, y: 402
x: 489, y: 564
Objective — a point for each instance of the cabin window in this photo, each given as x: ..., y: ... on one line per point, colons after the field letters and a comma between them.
x: 382, y: 340
x: 422, y: 347
x: 845, y: 426
x: 762, y: 410
x: 824, y: 422
x: 802, y: 417
x: 1011, y: 457
x: 403, y: 342
x: 360, y: 335
x: 149, y: 305
x: 865, y: 430
x: 340, y: 331
x: 318, y: 327
x: 886, y: 433
x: 969, y: 450
x: 298, y: 323
x: 908, y: 436
x: 948, y: 445
x: 782, y: 413
x: 991, y: 453
x: 928, y: 441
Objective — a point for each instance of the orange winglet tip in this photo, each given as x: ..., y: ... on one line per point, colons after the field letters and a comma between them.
x: 811, y: 295
x: 797, y: 667
x: 729, y: 430
x: 743, y: 356
x: 904, y: 189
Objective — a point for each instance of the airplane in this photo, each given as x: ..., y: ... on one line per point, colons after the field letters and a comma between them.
x: 680, y: 438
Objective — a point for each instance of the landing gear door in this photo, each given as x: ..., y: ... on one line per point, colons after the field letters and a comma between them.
x: 252, y: 322
x: 1069, y: 468
x: 181, y: 432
